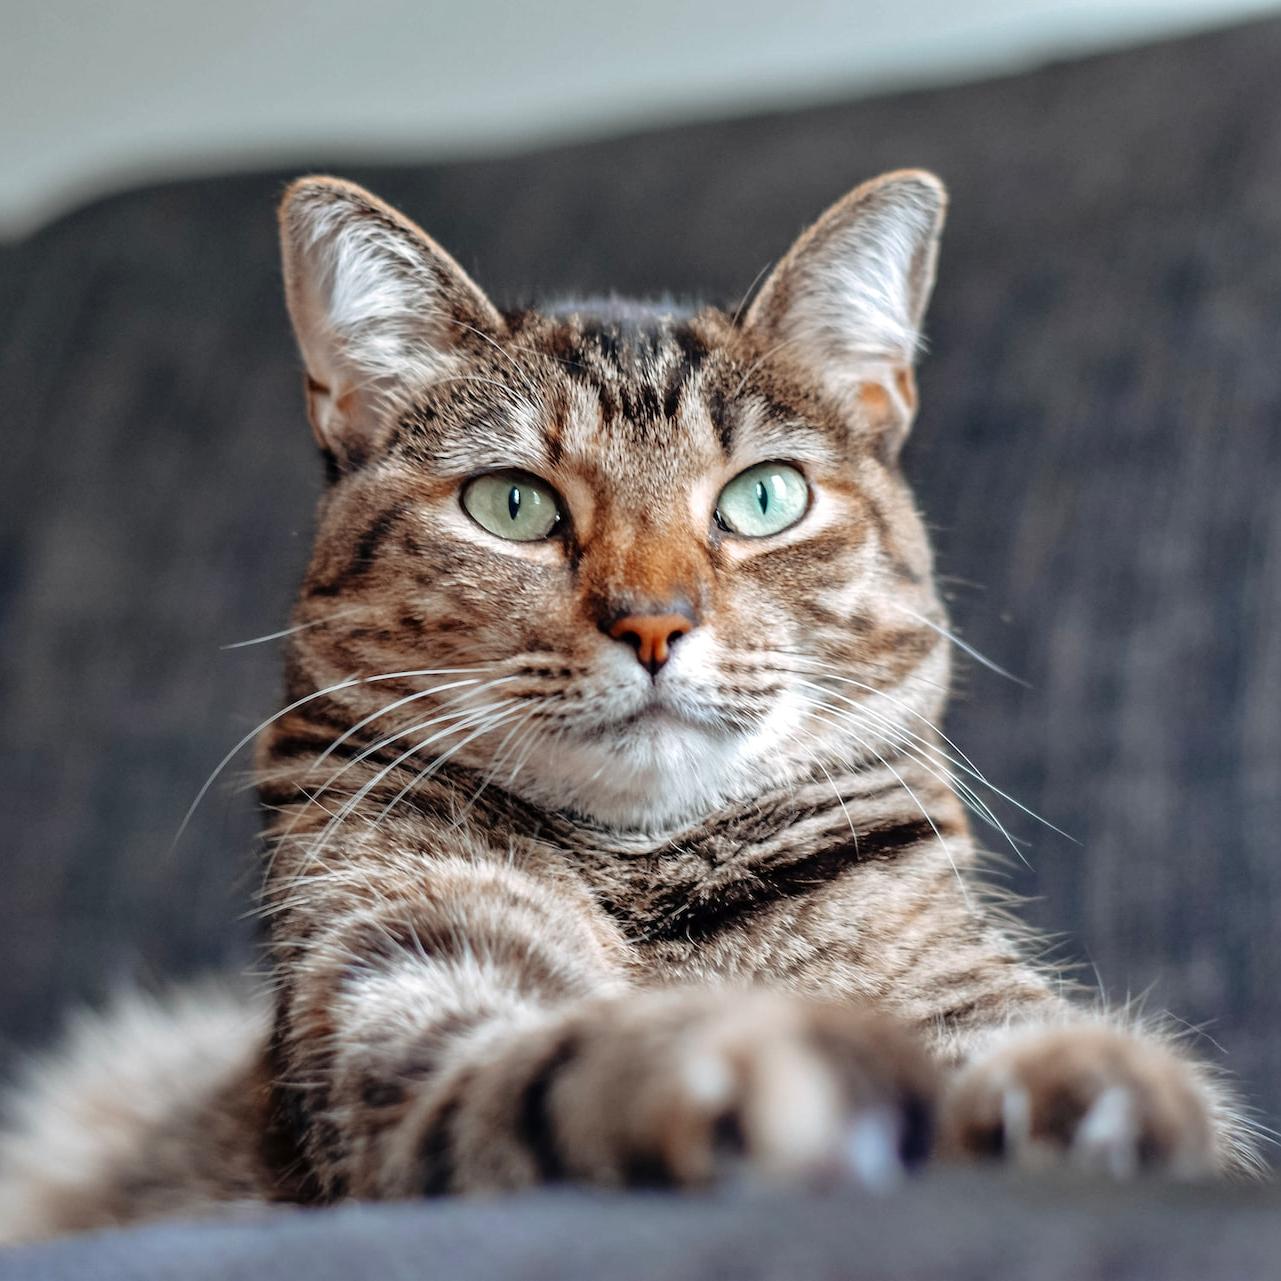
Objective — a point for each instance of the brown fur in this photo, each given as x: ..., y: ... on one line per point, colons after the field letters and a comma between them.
x: 536, y: 913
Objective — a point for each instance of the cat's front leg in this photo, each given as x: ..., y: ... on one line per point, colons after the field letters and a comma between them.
x: 1092, y: 1093
x: 476, y: 1030
x: 677, y: 1088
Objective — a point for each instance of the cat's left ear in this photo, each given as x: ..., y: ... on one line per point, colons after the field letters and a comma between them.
x: 379, y: 309
x: 847, y: 302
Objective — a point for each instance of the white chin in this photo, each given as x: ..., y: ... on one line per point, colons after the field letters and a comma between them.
x: 651, y: 774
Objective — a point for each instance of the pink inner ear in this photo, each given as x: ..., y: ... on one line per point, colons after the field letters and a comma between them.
x: 876, y: 400
x: 327, y: 412
x: 906, y: 381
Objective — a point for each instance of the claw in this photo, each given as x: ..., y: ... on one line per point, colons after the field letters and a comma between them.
x: 1107, y: 1137
x: 708, y: 1080
x: 1016, y: 1119
x: 872, y: 1152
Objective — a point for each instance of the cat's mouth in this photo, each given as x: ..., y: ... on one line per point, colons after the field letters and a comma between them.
x: 655, y: 714
x: 659, y: 714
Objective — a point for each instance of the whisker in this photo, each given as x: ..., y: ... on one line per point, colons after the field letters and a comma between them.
x: 947, y: 850
x: 751, y: 289
x: 379, y: 745
x: 506, y: 355
x: 349, y: 683
x: 493, y: 722
x: 963, y: 792
x: 290, y: 631
x: 964, y: 646
x: 760, y: 360
x: 352, y: 804
x: 919, y: 752
x: 494, y: 765
x: 964, y: 764
x: 514, y: 396
x: 401, y: 702
x: 534, y: 736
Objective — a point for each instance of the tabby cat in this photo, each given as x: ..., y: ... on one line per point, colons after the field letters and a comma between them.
x: 611, y: 834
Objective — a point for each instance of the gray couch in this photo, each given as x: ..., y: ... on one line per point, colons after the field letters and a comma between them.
x: 1099, y: 456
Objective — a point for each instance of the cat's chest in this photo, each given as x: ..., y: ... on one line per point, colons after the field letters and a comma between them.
x: 800, y: 913
x: 807, y: 891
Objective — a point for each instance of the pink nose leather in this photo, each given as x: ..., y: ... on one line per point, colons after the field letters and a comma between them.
x: 651, y: 636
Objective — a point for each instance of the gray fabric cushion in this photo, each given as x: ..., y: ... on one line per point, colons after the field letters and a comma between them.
x: 1099, y: 456
x: 947, y: 1228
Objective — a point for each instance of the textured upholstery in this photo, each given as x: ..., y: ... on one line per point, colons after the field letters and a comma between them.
x: 1099, y: 456
x: 958, y: 1227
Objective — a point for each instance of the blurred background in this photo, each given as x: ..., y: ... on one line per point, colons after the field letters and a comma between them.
x: 94, y: 96
x: 1098, y: 454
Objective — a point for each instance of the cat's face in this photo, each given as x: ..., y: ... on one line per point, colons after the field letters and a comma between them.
x: 656, y: 561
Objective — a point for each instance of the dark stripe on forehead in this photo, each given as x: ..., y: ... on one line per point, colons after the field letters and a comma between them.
x: 673, y: 391
x: 626, y: 336
x: 607, y: 340
x: 609, y: 403
x: 691, y: 352
x: 722, y: 416
x: 554, y: 425
x: 692, y: 348
x: 640, y: 401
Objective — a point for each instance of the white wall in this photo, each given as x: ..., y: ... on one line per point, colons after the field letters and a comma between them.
x: 98, y: 93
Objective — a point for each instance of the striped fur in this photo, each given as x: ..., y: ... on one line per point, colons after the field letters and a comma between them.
x: 536, y: 914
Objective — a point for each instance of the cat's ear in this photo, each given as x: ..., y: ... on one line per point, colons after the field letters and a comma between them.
x: 379, y: 309
x: 847, y: 301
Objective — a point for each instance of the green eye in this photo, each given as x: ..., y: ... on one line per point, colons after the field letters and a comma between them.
x: 512, y: 504
x: 765, y: 499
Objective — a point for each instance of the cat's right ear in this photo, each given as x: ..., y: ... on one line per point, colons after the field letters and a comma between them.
x: 379, y: 310
x: 847, y: 301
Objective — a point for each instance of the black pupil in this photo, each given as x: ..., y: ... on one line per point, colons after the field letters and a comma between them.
x: 762, y: 497
x: 513, y: 501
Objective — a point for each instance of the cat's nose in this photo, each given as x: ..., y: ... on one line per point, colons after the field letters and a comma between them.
x: 652, y: 635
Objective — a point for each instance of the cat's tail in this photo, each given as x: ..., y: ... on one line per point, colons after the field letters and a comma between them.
x: 149, y: 1108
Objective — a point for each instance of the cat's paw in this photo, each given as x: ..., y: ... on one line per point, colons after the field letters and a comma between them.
x: 685, y: 1089
x: 1094, y: 1097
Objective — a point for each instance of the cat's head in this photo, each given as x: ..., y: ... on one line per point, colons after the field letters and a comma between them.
x: 655, y: 559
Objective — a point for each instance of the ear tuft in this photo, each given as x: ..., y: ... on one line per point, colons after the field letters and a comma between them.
x: 847, y: 301
x: 378, y: 308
